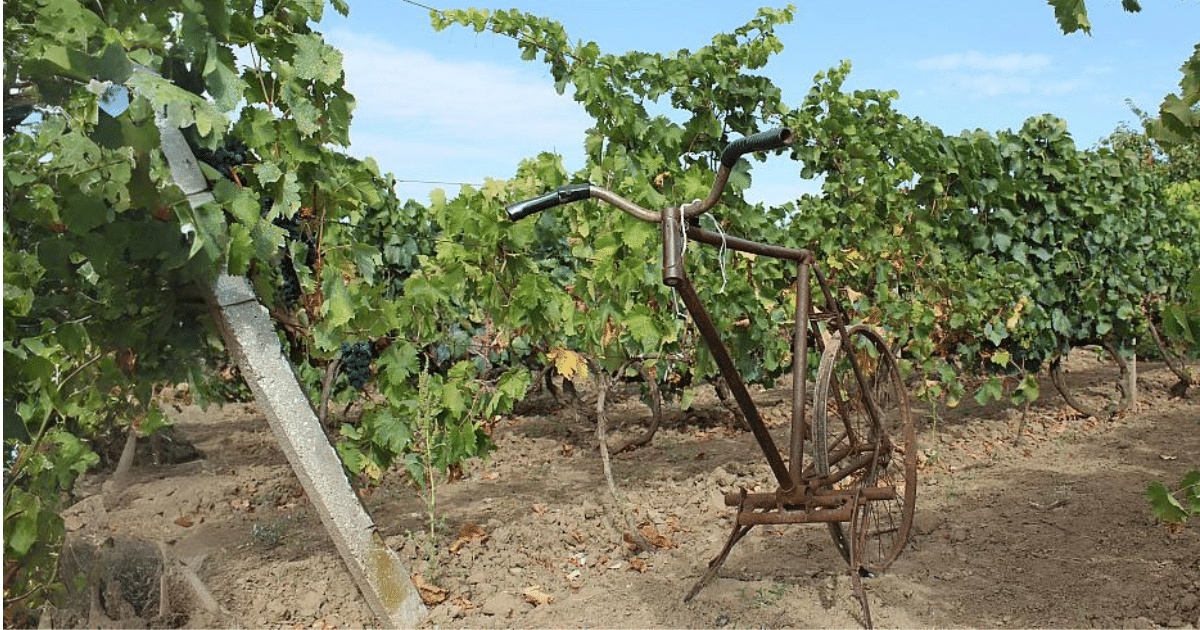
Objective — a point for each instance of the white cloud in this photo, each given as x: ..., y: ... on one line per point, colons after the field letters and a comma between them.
x: 977, y: 75
x: 991, y: 85
x: 413, y: 86
x: 1098, y: 70
x: 432, y: 119
x: 973, y: 60
x: 1065, y: 87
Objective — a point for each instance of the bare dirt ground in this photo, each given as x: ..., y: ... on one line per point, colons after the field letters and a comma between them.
x: 1053, y: 532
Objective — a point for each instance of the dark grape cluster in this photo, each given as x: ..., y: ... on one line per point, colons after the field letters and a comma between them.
x: 224, y: 158
x: 356, y: 363
x: 291, y: 225
x: 289, y: 282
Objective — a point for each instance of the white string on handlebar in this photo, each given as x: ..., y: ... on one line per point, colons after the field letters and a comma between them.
x: 683, y: 226
x: 722, y: 254
x: 683, y: 250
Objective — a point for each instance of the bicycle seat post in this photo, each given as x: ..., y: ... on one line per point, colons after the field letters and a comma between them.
x: 799, y: 370
x: 672, y: 238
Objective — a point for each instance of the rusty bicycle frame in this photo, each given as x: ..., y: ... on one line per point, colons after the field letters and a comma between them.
x: 806, y: 493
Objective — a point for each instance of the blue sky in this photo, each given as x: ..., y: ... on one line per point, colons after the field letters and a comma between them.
x: 459, y: 107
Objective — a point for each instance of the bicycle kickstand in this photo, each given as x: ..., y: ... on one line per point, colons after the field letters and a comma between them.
x: 714, y: 566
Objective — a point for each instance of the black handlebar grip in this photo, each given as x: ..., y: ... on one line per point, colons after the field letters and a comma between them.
x: 762, y: 141
x: 557, y: 197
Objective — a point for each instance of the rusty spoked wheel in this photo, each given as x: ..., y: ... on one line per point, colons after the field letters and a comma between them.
x: 1104, y: 384
x: 866, y: 439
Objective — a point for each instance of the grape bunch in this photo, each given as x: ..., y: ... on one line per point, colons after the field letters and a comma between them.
x: 224, y: 158
x: 291, y: 225
x: 289, y: 282
x: 356, y: 363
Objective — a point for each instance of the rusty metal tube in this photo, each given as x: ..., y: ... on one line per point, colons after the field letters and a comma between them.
x: 672, y: 237
x: 842, y: 515
x: 821, y: 499
x: 712, y: 338
x: 799, y: 372
x: 696, y: 208
x: 709, y: 237
x: 609, y: 197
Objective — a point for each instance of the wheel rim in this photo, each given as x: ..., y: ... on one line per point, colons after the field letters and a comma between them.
x: 845, y: 433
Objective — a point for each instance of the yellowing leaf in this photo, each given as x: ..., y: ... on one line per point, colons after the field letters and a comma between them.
x: 568, y: 363
x: 1015, y: 318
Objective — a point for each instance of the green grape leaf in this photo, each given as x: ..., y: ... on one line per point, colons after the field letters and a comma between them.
x: 182, y: 107
x: 391, y: 432
x: 337, y: 308
x: 366, y: 258
x: 1163, y: 504
x: 1190, y: 487
x: 83, y: 213
x: 316, y: 60
x: 240, y: 250
x: 21, y: 513
x: 267, y: 172
x: 514, y: 383
x: 221, y: 78
x: 1001, y: 358
x: 687, y: 398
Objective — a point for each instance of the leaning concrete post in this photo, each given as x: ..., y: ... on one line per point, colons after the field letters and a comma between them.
x: 250, y: 336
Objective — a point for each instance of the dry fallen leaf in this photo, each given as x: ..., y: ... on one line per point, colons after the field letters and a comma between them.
x: 539, y: 509
x: 651, y: 533
x: 534, y: 595
x: 469, y: 533
x: 184, y: 521
x: 431, y: 595
x: 637, y: 564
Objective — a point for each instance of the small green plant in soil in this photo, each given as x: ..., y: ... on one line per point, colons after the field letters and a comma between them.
x: 1174, y: 507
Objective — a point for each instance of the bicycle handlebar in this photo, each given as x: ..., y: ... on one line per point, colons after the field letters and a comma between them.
x: 556, y: 197
x: 762, y: 141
